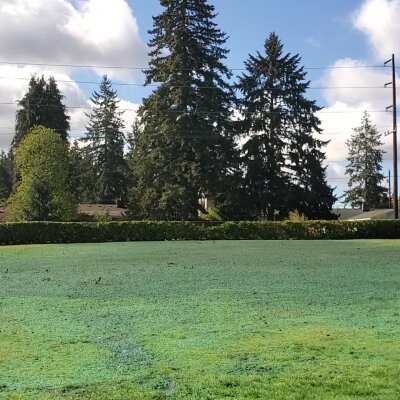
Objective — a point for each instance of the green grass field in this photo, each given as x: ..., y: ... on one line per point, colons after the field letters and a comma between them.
x: 201, y: 320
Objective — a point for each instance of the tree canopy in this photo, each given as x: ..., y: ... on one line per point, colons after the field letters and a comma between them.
x: 41, y: 105
x: 43, y: 192
x: 249, y: 150
x: 365, y: 167
x: 6, y: 181
x: 104, y: 151
x: 282, y: 157
x: 183, y: 147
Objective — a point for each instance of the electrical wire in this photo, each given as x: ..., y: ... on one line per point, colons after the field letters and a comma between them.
x: 142, y: 68
x: 15, y: 103
x: 97, y: 83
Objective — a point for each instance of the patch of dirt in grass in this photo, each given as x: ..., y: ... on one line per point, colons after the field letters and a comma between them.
x: 127, y: 352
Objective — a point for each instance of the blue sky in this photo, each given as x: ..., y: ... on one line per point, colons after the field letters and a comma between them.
x: 320, y: 31
x: 340, y: 33
x: 297, y: 23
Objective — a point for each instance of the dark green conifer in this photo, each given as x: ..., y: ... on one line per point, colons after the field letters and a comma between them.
x: 184, y: 148
x: 282, y: 158
x: 6, y: 173
x: 104, y: 151
x: 41, y: 105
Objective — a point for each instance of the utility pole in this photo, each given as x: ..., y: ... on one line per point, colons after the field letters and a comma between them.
x: 394, y: 107
x: 390, y: 190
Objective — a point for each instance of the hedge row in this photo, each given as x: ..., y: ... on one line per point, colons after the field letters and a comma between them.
x: 86, y: 232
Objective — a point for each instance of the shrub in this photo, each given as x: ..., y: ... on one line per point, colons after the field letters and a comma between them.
x: 92, y: 232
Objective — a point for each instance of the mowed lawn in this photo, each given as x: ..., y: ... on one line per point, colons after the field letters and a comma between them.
x: 201, y: 320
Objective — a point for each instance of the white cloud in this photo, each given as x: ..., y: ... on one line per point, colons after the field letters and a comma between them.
x: 14, y: 89
x: 350, y: 92
x: 79, y: 32
x: 336, y: 171
x: 89, y: 32
x: 353, y: 84
x: 130, y: 112
x: 379, y: 21
x: 337, y: 177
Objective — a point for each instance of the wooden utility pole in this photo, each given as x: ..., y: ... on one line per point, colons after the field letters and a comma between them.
x: 390, y: 190
x: 394, y: 107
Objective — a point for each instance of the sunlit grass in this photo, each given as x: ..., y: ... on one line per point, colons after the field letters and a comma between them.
x: 201, y: 320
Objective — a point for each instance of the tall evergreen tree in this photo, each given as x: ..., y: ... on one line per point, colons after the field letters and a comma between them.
x: 83, y: 177
x: 41, y: 105
x: 365, y: 166
x: 282, y: 160
x: 104, y: 151
x: 6, y: 182
x: 184, y: 147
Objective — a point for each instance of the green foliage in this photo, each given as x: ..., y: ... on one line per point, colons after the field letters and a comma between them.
x: 82, y: 175
x: 365, y: 166
x: 88, y: 232
x: 211, y: 215
x: 41, y: 105
x: 104, y: 151
x: 6, y: 175
x: 282, y: 159
x: 43, y: 192
x: 182, y: 144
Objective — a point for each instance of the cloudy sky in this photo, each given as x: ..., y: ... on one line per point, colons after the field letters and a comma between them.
x: 344, y: 35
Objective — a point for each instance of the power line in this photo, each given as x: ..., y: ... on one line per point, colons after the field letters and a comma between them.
x: 83, y: 82
x: 14, y: 103
x: 202, y: 131
x: 347, y: 178
x: 73, y: 65
x: 197, y: 88
x: 142, y: 68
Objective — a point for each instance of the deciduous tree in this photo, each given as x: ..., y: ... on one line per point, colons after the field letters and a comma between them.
x: 43, y: 192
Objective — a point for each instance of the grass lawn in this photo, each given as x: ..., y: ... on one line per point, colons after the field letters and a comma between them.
x: 201, y: 320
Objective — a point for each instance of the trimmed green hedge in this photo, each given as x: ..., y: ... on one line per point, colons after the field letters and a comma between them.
x: 87, y: 232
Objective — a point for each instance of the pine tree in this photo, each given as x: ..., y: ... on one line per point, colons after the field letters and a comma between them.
x: 365, y: 166
x: 105, y: 146
x: 183, y: 148
x: 41, y: 105
x: 282, y: 159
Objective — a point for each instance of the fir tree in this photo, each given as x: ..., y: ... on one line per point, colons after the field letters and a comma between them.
x: 56, y: 118
x: 104, y: 151
x: 183, y: 148
x: 41, y: 105
x: 364, y: 168
x: 6, y: 173
x: 82, y: 175
x: 282, y: 159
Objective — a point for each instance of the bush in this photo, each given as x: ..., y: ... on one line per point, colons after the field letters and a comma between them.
x: 92, y: 232
x: 42, y: 194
